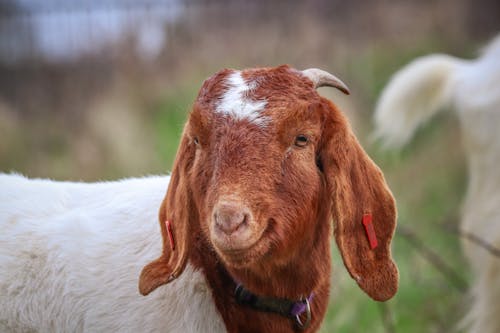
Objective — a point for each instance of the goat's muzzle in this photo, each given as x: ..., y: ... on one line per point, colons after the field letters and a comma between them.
x: 231, y: 218
x: 233, y: 229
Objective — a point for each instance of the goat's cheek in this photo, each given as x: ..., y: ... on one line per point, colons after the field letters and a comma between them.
x: 200, y: 183
x: 302, y: 179
x: 305, y: 186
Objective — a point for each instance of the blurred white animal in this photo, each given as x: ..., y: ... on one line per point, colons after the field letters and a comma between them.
x: 471, y: 88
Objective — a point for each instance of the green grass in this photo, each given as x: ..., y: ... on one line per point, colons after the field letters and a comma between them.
x: 168, y: 117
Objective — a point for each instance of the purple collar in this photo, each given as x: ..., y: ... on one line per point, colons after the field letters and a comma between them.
x: 282, y: 306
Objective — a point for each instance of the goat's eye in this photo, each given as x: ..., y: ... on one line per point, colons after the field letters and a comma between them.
x: 196, y: 141
x: 301, y: 140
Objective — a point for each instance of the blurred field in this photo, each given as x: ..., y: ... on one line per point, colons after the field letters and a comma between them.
x: 115, y: 111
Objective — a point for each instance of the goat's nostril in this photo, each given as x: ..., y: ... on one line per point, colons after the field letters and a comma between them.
x: 229, y: 219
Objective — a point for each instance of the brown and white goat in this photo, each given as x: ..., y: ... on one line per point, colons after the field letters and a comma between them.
x: 264, y: 166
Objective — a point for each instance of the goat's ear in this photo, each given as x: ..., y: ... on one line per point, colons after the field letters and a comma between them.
x: 359, y: 196
x: 175, y: 209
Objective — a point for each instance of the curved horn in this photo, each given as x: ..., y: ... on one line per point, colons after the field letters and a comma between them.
x: 321, y: 78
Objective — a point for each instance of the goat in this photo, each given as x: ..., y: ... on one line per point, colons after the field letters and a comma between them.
x: 472, y: 88
x: 264, y: 165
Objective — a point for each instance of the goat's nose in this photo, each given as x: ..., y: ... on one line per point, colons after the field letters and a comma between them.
x: 229, y: 217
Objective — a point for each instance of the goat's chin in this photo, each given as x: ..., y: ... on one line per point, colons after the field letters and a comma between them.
x: 240, y: 254
x: 244, y: 258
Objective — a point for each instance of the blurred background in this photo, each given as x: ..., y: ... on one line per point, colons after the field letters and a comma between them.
x: 97, y: 90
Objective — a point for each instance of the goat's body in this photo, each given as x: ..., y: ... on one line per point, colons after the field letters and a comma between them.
x: 71, y: 254
x: 472, y: 88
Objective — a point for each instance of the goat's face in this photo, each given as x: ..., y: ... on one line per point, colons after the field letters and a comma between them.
x: 263, y: 163
x: 255, y: 174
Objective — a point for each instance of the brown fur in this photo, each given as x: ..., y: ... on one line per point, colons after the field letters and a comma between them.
x: 292, y: 192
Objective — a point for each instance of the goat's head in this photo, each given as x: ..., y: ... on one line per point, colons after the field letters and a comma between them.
x: 263, y: 159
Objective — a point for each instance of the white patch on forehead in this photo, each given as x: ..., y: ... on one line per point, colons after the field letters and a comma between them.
x: 236, y: 103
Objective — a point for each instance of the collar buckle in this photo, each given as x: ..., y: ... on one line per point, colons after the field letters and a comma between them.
x: 307, y: 322
x: 287, y: 308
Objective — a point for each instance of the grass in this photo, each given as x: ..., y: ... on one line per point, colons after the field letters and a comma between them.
x: 169, y: 115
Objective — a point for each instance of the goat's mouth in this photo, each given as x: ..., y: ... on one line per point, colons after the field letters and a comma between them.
x: 243, y: 249
x: 245, y: 257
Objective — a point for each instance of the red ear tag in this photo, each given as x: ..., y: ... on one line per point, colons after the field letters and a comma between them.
x: 370, y: 231
x: 170, y: 234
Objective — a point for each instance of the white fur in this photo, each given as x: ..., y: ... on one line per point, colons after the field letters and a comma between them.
x: 413, y: 96
x: 237, y: 103
x: 71, y: 255
x: 472, y: 88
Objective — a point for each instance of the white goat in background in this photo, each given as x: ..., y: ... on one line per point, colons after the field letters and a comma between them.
x: 471, y: 88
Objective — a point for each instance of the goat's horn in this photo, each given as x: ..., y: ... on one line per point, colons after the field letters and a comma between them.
x: 321, y: 78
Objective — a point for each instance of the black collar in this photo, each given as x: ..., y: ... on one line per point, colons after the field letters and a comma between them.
x: 282, y: 306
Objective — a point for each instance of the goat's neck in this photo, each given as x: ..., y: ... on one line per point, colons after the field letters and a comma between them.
x: 306, y: 272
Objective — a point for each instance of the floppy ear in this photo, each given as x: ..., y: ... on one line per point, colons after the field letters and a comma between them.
x: 363, y: 208
x: 175, y: 209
